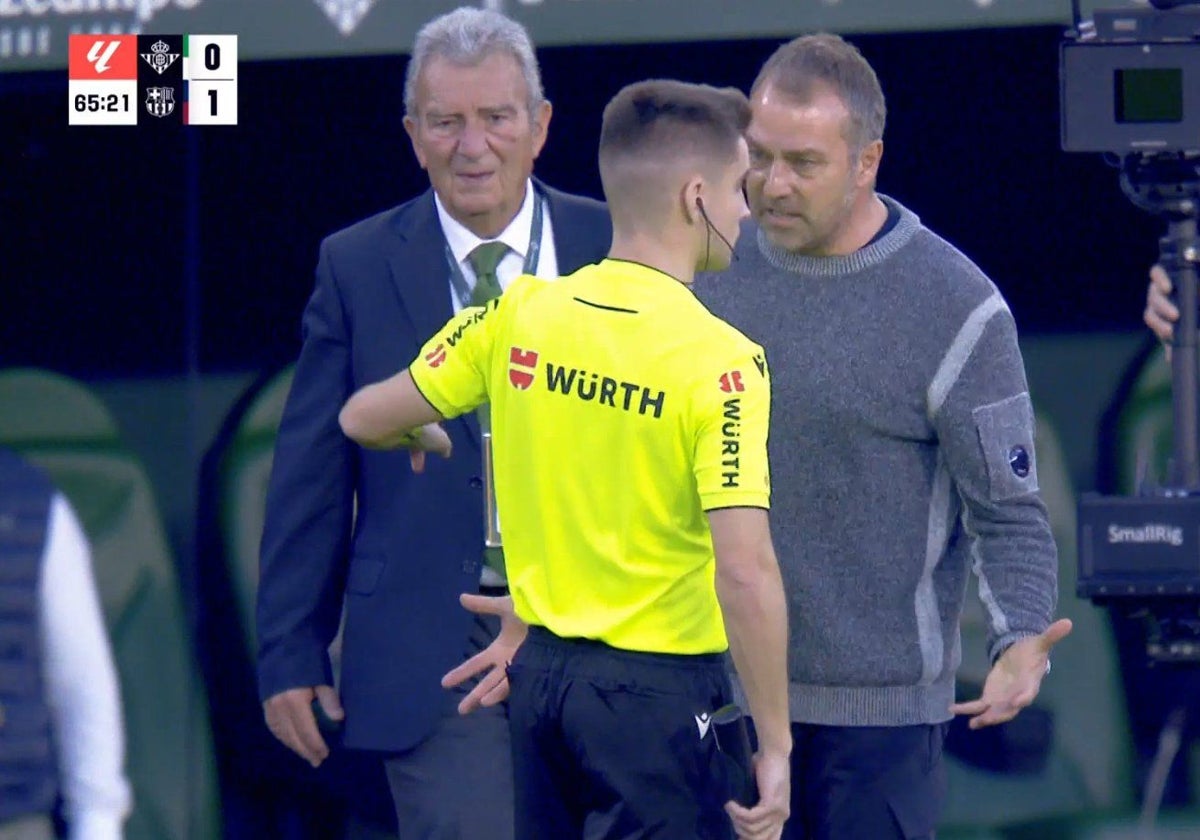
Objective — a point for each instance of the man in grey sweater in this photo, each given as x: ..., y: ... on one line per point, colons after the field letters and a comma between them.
x: 901, y: 450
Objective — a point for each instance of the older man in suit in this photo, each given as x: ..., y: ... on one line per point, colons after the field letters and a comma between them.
x: 477, y: 118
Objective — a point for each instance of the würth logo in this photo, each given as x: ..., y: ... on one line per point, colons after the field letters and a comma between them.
x: 522, y: 366
x: 732, y: 381
x: 436, y: 356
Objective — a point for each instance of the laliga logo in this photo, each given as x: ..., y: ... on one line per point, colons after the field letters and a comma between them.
x: 522, y: 367
x: 346, y: 14
x: 101, y: 52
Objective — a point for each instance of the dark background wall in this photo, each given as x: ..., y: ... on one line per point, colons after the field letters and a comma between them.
x: 132, y: 252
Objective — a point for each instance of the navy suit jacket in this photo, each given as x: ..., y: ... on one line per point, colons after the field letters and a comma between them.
x: 382, y: 290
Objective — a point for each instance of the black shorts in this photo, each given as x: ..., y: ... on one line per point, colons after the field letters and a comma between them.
x: 613, y: 744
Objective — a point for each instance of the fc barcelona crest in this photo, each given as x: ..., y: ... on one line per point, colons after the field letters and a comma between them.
x: 160, y: 101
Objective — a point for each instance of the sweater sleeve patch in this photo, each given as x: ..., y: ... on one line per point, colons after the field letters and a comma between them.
x: 1005, y: 430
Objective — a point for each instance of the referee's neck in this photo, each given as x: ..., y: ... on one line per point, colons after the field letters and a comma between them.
x: 673, y: 260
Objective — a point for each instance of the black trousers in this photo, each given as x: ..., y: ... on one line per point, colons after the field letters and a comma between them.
x: 866, y: 783
x: 612, y: 744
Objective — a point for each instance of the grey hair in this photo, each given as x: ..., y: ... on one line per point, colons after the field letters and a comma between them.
x: 465, y: 37
x: 798, y: 67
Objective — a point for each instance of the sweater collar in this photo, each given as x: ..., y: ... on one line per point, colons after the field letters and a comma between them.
x: 846, y: 264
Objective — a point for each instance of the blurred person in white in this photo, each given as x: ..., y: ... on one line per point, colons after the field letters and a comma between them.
x: 61, y: 731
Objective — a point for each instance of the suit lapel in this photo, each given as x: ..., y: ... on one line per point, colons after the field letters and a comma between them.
x: 421, y: 276
x: 419, y: 270
x: 568, y: 248
x: 577, y: 239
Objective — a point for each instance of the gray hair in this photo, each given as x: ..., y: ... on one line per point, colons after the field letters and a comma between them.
x: 465, y: 37
x: 800, y: 65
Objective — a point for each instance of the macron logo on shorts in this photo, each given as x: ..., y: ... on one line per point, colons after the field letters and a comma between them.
x: 703, y: 722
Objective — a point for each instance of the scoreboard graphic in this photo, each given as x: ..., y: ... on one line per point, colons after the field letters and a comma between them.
x: 139, y: 79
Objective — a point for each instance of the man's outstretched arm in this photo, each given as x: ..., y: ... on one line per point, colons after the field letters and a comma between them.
x: 394, y: 414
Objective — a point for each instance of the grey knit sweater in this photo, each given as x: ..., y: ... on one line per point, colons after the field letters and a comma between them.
x: 901, y: 451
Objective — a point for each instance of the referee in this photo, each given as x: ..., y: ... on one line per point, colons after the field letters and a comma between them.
x: 631, y: 474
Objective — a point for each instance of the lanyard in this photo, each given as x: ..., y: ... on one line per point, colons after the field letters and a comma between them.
x: 459, y: 284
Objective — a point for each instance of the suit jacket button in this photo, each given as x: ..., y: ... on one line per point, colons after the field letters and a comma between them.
x: 475, y: 481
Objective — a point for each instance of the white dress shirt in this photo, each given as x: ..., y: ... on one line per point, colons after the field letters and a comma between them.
x: 81, y: 684
x: 516, y: 236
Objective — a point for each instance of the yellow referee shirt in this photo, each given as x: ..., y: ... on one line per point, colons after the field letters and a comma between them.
x: 621, y: 410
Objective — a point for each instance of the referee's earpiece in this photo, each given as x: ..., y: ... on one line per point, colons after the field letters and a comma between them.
x: 713, y: 228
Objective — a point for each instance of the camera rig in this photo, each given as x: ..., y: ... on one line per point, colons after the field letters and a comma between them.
x: 1130, y: 87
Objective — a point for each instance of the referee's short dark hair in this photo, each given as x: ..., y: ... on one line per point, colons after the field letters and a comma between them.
x: 667, y: 118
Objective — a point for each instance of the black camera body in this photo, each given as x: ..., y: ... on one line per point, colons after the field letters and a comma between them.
x: 1130, y: 82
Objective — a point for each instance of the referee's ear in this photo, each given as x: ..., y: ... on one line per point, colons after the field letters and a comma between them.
x: 691, y: 200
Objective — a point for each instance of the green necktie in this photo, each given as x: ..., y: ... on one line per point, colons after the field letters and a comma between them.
x: 484, y: 260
